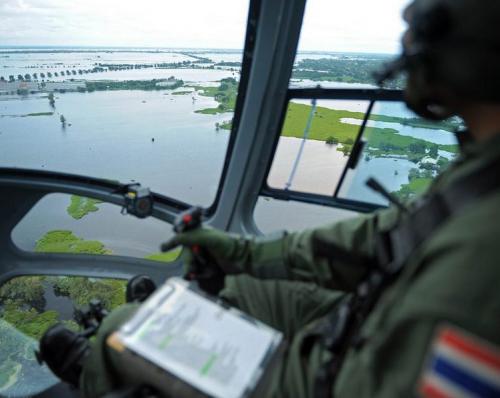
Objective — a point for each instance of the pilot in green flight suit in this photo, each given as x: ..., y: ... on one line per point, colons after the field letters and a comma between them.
x: 434, y: 329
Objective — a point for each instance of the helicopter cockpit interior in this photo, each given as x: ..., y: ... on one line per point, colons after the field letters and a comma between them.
x: 266, y: 114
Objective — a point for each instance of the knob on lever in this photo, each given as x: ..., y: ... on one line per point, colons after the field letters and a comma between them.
x: 203, y: 268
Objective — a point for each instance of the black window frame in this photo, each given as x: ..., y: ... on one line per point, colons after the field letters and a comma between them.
x: 254, y: 13
x: 370, y: 95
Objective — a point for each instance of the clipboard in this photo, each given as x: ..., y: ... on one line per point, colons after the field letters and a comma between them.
x: 186, y: 344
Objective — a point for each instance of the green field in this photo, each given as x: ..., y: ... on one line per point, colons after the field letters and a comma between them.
x: 325, y: 123
x: 327, y: 126
x: 81, y: 206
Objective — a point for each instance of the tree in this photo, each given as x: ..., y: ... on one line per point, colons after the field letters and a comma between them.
x: 417, y: 147
x: 49, y: 74
x: 52, y: 101
x: 2, y: 79
x: 42, y: 75
x: 11, y: 78
x: 332, y: 140
x: 63, y: 121
x: 20, y: 77
x: 35, y: 76
x: 433, y: 151
x: 27, y: 76
x: 217, y: 126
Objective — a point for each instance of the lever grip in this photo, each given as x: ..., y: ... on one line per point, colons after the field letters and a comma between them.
x: 203, y: 269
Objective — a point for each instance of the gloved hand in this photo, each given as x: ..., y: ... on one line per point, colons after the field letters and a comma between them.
x: 231, y: 253
x: 263, y: 257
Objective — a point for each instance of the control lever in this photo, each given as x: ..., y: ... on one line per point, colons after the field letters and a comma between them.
x: 203, y: 269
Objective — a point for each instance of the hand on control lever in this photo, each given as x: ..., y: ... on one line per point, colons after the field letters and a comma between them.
x: 211, y: 253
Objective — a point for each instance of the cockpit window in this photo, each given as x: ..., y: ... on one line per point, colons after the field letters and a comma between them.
x: 127, y: 91
x: 31, y: 304
x: 62, y: 223
x: 339, y: 130
x: 341, y: 45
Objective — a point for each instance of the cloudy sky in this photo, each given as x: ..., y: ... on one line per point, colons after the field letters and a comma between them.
x: 330, y: 25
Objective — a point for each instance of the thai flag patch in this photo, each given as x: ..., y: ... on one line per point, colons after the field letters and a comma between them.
x: 461, y: 365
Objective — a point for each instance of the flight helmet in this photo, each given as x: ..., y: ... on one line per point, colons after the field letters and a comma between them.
x: 451, y: 51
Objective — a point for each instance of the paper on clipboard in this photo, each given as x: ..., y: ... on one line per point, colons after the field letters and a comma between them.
x: 210, y: 347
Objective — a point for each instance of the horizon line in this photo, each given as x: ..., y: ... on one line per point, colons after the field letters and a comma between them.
x: 157, y: 48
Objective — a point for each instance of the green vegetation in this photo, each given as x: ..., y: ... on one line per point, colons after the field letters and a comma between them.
x: 60, y: 241
x: 326, y: 125
x: 229, y: 63
x: 419, y: 181
x: 145, y: 85
x: 22, y: 322
x: 182, y: 92
x: 111, y: 292
x: 39, y: 114
x: 332, y: 140
x: 226, y: 125
x: 167, y: 257
x: 450, y: 125
x: 52, y: 101
x: 383, y: 143
x: 81, y: 206
x: 345, y: 69
x: 30, y: 322
x: 30, y: 114
x: 225, y: 94
x: 27, y: 289
x: 18, y: 310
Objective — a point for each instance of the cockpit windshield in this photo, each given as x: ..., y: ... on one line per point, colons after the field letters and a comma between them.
x: 122, y: 90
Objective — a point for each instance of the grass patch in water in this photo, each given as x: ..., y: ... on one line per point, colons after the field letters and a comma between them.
x: 81, y: 206
x: 61, y: 241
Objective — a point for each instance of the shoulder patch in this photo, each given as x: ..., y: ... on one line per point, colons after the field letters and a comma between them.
x: 460, y: 365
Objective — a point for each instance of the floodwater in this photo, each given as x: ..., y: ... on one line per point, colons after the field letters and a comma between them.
x: 113, y: 138
x: 156, y: 138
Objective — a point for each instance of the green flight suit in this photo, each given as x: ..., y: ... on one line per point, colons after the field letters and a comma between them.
x: 451, y: 279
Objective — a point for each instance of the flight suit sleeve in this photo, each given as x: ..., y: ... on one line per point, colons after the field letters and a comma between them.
x: 292, y: 256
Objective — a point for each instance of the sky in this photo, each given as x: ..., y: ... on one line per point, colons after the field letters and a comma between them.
x: 330, y: 25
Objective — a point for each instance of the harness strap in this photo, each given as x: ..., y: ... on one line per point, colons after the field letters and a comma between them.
x: 432, y: 212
